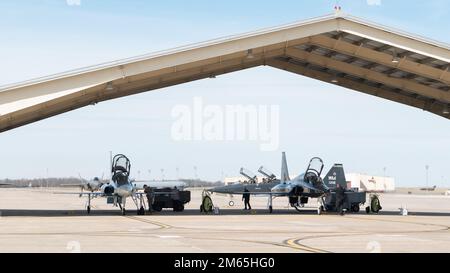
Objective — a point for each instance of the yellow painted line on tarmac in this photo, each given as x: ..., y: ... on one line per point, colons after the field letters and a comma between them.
x: 293, y: 243
x: 161, y: 225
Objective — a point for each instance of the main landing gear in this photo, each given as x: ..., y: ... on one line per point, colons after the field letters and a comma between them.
x: 269, y: 204
x: 88, y: 206
x: 122, y: 206
x: 321, y: 205
x: 141, y: 206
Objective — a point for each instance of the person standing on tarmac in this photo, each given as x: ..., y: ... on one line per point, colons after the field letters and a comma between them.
x: 149, y: 192
x: 246, y: 198
x: 340, y: 199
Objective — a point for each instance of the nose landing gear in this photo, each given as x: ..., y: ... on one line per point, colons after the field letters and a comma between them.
x: 88, y: 205
x: 122, y: 207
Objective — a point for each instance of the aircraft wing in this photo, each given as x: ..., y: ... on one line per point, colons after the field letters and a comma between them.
x: 154, y: 193
x: 169, y: 184
x: 71, y: 185
x: 252, y: 193
x: 254, y: 189
x: 96, y: 194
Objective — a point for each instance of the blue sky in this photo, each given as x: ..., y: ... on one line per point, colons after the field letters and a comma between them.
x: 365, y: 133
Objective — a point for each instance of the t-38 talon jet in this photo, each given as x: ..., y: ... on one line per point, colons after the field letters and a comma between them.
x: 93, y: 185
x: 119, y: 188
x: 258, y: 189
x: 298, y: 190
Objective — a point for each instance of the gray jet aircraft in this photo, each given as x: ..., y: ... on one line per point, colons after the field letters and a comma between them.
x: 87, y: 185
x: 119, y: 188
x: 298, y: 190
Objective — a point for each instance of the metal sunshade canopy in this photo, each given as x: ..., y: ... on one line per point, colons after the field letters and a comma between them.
x: 338, y: 49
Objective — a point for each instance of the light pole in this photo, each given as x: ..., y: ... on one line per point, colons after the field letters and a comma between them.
x: 162, y: 174
x: 427, y: 167
x: 195, y: 173
x: 46, y: 179
x: 178, y: 173
x: 110, y: 164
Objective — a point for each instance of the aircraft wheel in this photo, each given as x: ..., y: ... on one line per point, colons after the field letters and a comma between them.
x: 141, y: 211
x: 320, y: 210
x: 88, y: 209
x: 355, y: 208
x: 178, y: 207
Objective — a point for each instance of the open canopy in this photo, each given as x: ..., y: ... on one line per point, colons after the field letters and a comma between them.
x: 338, y: 49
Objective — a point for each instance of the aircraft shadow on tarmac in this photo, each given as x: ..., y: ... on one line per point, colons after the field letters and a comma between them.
x: 192, y: 212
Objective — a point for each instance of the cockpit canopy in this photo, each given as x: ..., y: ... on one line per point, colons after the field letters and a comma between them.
x: 252, y: 178
x: 314, y: 171
x: 120, y: 169
x: 267, y: 173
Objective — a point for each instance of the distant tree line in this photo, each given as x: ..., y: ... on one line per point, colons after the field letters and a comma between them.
x: 192, y: 183
x: 60, y: 182
x: 41, y: 182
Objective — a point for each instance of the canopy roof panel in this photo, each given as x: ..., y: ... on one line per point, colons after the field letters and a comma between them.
x: 338, y: 49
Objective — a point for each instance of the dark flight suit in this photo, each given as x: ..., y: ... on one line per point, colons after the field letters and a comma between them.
x: 149, y: 193
x: 340, y: 199
x: 246, y: 198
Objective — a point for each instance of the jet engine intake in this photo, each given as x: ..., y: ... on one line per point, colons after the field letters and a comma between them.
x: 108, y: 190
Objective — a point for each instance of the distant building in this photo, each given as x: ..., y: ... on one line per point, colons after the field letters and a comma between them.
x: 370, y: 183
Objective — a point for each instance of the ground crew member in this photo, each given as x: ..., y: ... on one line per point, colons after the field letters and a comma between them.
x: 340, y: 199
x: 149, y: 192
x: 246, y: 198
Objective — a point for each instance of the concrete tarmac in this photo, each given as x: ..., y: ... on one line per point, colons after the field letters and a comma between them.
x: 33, y: 220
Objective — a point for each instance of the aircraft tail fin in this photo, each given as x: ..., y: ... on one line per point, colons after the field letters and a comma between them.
x: 284, y: 170
x: 335, y: 176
